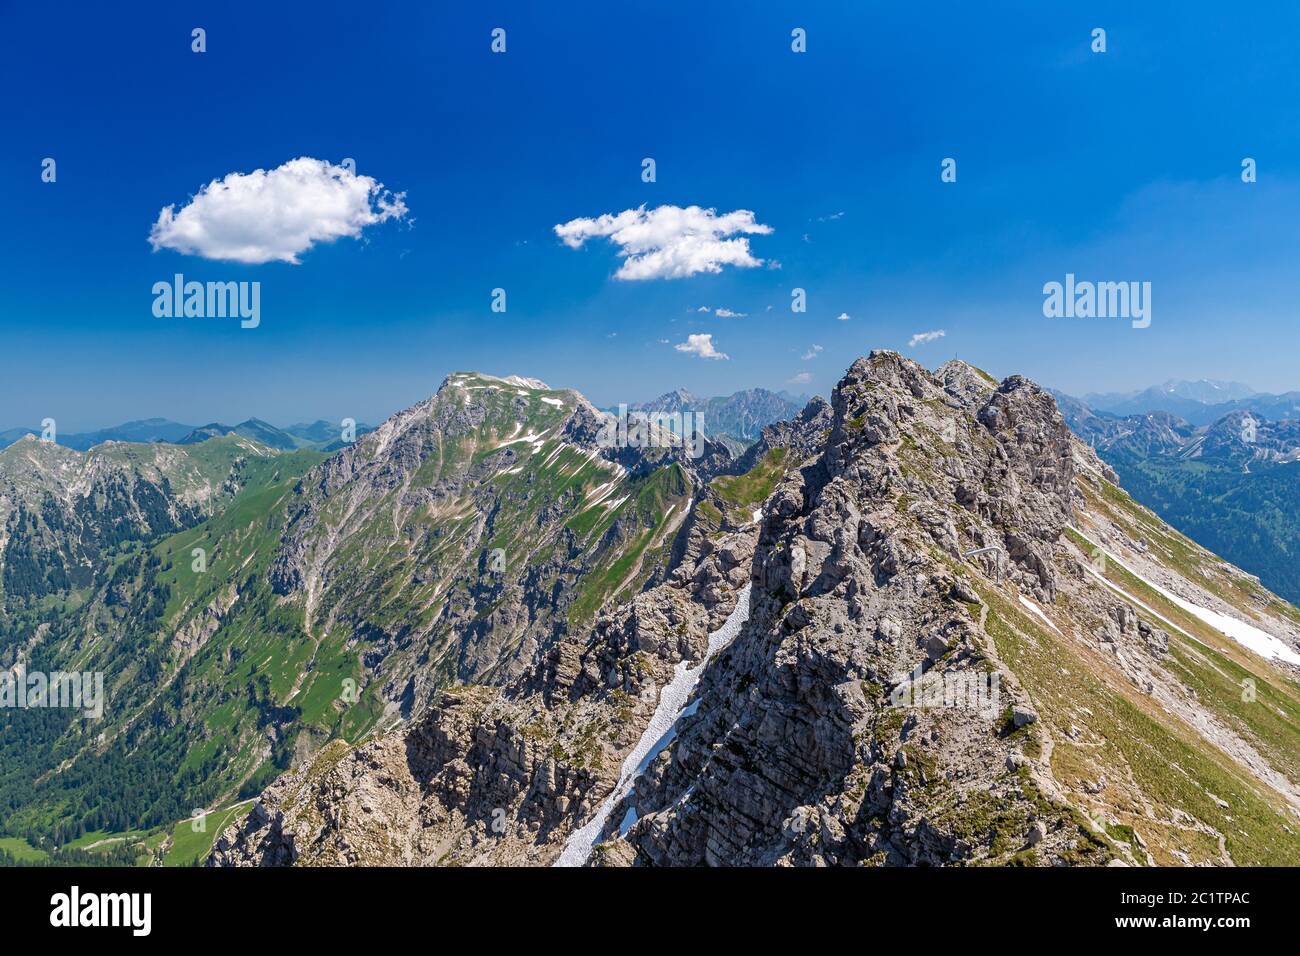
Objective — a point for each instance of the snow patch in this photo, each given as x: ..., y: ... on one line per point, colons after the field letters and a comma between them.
x: 629, y: 819
x: 555, y: 453
x: 659, y: 733
x: 536, y: 440
x: 522, y: 382
x: 1038, y: 612
x: 1247, y: 635
x: 598, y: 494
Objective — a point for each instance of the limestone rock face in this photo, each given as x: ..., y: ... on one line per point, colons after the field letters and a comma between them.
x: 490, y: 775
x: 792, y: 756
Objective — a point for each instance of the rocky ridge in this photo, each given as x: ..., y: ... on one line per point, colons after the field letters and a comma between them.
x: 934, y: 534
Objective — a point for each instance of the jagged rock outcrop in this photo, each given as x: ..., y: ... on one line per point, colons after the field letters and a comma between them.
x: 490, y: 774
x: 791, y: 757
x: 802, y: 435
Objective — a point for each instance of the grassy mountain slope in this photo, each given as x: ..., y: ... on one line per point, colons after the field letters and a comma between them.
x: 272, y: 600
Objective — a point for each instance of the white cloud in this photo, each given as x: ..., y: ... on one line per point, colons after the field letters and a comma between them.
x: 275, y: 215
x: 803, y: 378
x: 812, y: 353
x: 701, y: 345
x: 843, y: 316
x: 670, y: 242
x: 723, y: 313
x: 832, y: 217
x: 920, y: 338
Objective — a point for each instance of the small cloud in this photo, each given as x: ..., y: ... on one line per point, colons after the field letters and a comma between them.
x: 921, y: 338
x: 670, y: 242
x: 728, y: 314
x: 275, y: 215
x: 704, y: 308
x: 700, y: 344
x: 663, y: 341
x: 612, y: 335
x: 843, y: 316
x: 812, y: 353
x: 831, y: 218
x: 803, y: 378
x: 807, y: 238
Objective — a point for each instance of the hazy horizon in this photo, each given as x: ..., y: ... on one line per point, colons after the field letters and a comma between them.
x: 795, y: 392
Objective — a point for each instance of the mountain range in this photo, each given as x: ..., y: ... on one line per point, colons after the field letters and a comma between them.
x: 741, y: 415
x: 918, y: 624
x: 320, y: 434
x: 735, y: 419
x: 145, y: 430
x: 1199, y: 403
x: 235, y: 594
x: 920, y: 535
x: 1233, y: 485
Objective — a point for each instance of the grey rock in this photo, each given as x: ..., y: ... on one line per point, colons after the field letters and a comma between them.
x: 1037, y: 833
x: 1022, y: 716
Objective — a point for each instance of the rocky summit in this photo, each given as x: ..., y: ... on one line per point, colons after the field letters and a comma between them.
x: 918, y: 624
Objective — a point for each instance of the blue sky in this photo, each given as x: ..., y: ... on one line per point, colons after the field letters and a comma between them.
x: 1116, y: 166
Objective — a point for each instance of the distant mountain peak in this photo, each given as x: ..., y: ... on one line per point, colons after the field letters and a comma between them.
x: 1199, y: 402
x: 742, y: 414
x: 518, y: 381
x: 1208, y: 391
